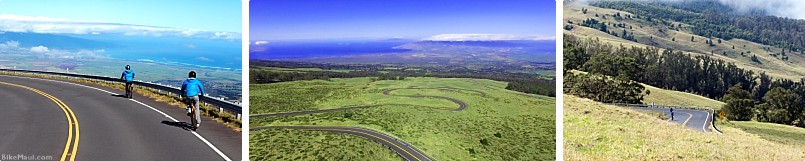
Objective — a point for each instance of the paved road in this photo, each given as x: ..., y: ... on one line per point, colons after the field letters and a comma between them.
x: 694, y: 119
x: 405, y: 150
x: 90, y: 122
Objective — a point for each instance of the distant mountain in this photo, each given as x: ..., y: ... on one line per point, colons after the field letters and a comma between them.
x: 54, y: 41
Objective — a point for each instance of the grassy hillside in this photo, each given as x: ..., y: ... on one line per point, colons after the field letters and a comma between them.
x: 594, y: 131
x: 679, y: 38
x: 783, y: 134
x: 513, y: 125
x: 283, y: 144
x: 671, y: 97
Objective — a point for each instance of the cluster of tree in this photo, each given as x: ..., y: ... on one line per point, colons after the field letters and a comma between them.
x: 748, y: 95
x: 603, y: 88
x: 523, y: 82
x: 593, y: 23
x: 713, y: 19
x: 666, y: 69
x: 779, y: 105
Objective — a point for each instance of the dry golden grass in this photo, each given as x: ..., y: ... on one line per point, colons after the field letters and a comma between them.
x: 671, y: 97
x: 594, y: 131
x: 227, y: 119
x: 793, y: 68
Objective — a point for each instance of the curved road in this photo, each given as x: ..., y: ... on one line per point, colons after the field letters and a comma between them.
x: 403, y: 149
x: 461, y: 104
x: 71, y: 121
x: 694, y: 119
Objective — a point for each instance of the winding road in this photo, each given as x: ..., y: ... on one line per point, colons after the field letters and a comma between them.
x: 405, y: 150
x: 695, y: 119
x: 76, y: 121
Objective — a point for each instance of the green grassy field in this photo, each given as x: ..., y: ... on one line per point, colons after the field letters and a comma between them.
x: 594, y: 131
x: 515, y: 126
x: 315, y: 145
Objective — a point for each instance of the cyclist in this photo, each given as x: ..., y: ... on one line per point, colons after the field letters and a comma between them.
x: 128, y: 76
x: 672, y: 113
x: 192, y: 89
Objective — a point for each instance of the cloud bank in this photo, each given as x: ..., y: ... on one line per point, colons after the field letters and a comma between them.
x: 13, y: 47
x: 783, y: 8
x: 486, y: 37
x: 38, y: 24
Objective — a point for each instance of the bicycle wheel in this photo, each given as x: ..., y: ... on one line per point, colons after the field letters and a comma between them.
x: 193, y: 121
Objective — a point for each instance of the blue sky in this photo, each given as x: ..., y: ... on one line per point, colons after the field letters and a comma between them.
x: 210, y: 15
x: 316, y: 19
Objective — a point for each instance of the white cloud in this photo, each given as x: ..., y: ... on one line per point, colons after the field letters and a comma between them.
x: 190, y: 46
x: 204, y: 59
x: 260, y: 42
x: 486, y: 37
x: 38, y: 24
x: 10, y: 45
x: 39, y: 49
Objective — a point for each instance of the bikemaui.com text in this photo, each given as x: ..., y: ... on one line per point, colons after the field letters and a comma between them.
x: 25, y: 157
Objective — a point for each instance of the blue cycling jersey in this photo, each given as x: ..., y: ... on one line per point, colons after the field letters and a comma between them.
x: 128, y: 75
x: 192, y: 87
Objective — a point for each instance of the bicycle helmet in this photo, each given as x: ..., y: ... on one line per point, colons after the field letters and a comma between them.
x: 128, y: 67
x: 192, y: 74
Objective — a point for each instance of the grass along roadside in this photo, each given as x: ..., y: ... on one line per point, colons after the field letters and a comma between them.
x: 783, y: 134
x: 595, y: 131
x: 227, y: 119
x: 294, y: 144
x: 671, y: 97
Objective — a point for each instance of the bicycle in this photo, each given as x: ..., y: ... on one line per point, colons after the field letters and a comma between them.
x: 192, y: 104
x: 129, y: 90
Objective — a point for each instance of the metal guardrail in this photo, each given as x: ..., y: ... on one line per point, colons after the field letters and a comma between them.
x: 711, y: 111
x: 223, y: 105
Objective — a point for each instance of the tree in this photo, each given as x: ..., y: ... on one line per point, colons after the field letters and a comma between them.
x: 779, y: 102
x: 739, y: 104
x: 754, y: 59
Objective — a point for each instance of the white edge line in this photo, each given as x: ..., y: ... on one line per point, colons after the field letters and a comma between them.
x: 705, y: 121
x: 152, y: 108
x: 194, y: 133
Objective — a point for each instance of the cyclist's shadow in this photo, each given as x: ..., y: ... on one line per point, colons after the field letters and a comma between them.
x: 120, y: 95
x: 183, y: 125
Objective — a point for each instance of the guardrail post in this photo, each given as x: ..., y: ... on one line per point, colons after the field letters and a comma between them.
x: 238, y: 117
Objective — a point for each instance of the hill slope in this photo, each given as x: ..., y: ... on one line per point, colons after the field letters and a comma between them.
x: 594, y: 131
x: 677, y: 36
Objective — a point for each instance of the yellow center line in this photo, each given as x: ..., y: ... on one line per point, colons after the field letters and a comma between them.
x: 71, y: 119
x: 395, y: 145
x: 686, y: 121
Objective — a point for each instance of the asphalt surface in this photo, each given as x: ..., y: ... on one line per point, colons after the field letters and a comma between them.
x: 405, y: 150
x: 111, y: 127
x: 694, y: 119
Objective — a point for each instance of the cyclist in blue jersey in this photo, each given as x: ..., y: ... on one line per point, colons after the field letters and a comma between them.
x: 191, y: 90
x: 128, y: 76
